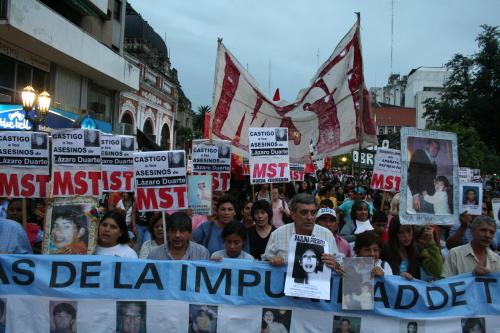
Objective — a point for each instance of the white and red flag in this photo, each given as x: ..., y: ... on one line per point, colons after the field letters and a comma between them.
x: 334, y: 112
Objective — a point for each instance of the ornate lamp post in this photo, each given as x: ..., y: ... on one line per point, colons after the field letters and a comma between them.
x: 41, y: 108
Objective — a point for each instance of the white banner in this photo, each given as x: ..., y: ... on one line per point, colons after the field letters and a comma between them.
x: 387, y: 170
x: 307, y: 275
x: 76, y: 162
x: 160, y: 180
x: 268, y: 153
x: 24, y: 161
x: 117, y: 162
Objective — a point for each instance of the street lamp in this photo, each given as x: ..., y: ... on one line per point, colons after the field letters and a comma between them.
x: 41, y: 109
x: 343, y: 159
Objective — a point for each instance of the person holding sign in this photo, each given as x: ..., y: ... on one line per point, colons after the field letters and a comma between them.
x: 209, y: 233
x: 307, y: 263
x: 303, y: 212
x: 113, y: 236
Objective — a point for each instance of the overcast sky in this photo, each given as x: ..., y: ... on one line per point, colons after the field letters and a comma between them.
x: 289, y: 33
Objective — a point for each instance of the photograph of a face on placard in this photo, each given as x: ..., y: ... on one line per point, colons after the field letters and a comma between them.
x: 411, y: 326
x: 131, y: 316
x: 203, y: 318
x: 357, y: 284
x: 471, y: 198
x: 71, y: 226
x: 63, y: 316
x: 346, y: 324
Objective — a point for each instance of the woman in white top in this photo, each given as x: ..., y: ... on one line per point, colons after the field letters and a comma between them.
x: 156, y: 229
x: 127, y: 203
x: 280, y: 207
x: 113, y: 236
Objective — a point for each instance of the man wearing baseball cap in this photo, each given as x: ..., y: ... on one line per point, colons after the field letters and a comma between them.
x: 326, y: 217
x: 345, y: 208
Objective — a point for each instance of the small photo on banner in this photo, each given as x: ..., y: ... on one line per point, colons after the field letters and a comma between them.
x: 200, y: 194
x: 411, y: 326
x: 276, y: 320
x: 307, y: 276
x: 357, y: 284
x: 131, y: 316
x: 117, y: 162
x: 346, y: 324
x: 24, y: 164
x: 71, y: 226
x: 269, y: 155
x: 474, y: 325
x: 63, y: 316
x: 429, y: 183
x: 471, y: 198
x: 202, y: 318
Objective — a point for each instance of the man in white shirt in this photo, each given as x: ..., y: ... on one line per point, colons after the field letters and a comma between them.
x: 303, y: 212
x: 476, y: 256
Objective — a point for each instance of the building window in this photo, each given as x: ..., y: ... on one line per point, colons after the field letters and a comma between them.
x: 380, y: 130
x: 390, y: 130
x: 398, y: 129
x: 117, y: 10
x: 15, y: 75
x: 100, y: 101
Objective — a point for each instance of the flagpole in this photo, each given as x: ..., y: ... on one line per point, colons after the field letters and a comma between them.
x: 361, y: 102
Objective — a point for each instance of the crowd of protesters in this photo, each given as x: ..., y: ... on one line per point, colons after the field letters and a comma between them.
x: 257, y: 224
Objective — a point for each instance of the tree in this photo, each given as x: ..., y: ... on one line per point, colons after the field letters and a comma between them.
x: 470, y: 101
x: 199, y: 117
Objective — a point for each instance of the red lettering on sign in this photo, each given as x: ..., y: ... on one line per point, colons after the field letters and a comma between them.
x: 268, y: 170
x: 66, y: 183
x: 379, y: 181
x: 118, y: 180
x: 161, y: 199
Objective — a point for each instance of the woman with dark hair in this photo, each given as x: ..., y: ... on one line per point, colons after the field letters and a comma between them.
x: 156, y: 229
x: 246, y: 216
x: 113, y: 236
x: 307, y: 263
x: 305, y: 186
x: 259, y: 234
x: 209, y: 234
x: 280, y: 207
x: 270, y: 323
x: 234, y: 235
x: 360, y: 221
x: 403, y: 254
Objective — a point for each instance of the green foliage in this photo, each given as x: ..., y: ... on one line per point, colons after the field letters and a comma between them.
x: 472, y: 151
x: 471, y: 97
x: 199, y: 117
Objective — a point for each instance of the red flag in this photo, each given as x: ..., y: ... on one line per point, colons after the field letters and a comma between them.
x: 206, y: 126
x: 277, y: 97
x: 334, y: 111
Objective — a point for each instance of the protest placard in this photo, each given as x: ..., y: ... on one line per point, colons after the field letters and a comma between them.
x: 471, y: 198
x: 213, y: 157
x: 117, y: 162
x: 24, y: 161
x: 429, y: 177
x: 160, y: 180
x: 297, y: 172
x: 495, y: 204
x: 71, y: 226
x: 76, y: 162
x: 200, y: 194
x: 268, y: 154
x: 306, y: 274
x: 357, y: 287
x: 387, y: 170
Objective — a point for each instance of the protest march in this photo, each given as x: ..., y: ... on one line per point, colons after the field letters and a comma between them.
x: 255, y: 227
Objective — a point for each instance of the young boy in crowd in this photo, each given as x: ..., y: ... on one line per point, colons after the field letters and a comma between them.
x: 234, y: 235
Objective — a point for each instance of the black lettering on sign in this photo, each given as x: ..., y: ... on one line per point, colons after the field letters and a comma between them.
x: 184, y: 271
x: 242, y: 283
x: 86, y: 274
x: 154, y: 280
x: 225, y: 274
x: 267, y: 286
x: 456, y: 293
x: 3, y: 276
x: 430, y: 301
x: 486, y: 282
x: 399, y: 297
x: 30, y: 277
x: 117, y: 283
x: 55, y: 271
x: 383, y: 294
